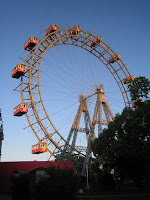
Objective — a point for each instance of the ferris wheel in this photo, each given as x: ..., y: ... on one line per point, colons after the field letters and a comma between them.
x: 57, y: 78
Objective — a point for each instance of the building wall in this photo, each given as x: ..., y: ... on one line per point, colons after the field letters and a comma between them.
x: 8, y: 168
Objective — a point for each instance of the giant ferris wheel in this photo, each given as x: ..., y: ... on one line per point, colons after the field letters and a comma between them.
x: 57, y: 91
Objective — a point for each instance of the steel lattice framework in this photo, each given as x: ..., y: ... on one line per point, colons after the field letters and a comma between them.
x: 38, y: 118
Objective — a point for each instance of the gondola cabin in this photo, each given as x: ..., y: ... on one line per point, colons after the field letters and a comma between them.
x: 133, y: 105
x: 39, y: 148
x: 96, y: 41
x: 18, y: 71
x: 114, y: 58
x: 53, y: 28
x: 128, y: 80
x: 30, y: 44
x: 75, y: 30
x: 21, y: 109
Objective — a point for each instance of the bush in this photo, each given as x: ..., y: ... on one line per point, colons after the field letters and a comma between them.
x: 58, y: 184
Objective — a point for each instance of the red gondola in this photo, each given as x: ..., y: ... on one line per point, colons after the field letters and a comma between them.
x: 133, y: 105
x: 129, y: 79
x: 21, y: 109
x: 96, y: 41
x: 39, y: 148
x: 114, y: 58
x: 51, y: 29
x: 75, y: 30
x: 30, y: 44
x: 18, y: 71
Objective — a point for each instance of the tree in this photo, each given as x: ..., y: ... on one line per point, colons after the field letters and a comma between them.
x: 125, y: 145
x: 58, y: 184
x: 49, y: 183
x: 139, y: 89
x: 20, y: 185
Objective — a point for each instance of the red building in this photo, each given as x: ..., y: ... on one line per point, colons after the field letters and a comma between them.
x: 8, y: 168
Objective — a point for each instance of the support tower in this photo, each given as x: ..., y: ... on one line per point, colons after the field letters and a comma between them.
x: 101, y: 109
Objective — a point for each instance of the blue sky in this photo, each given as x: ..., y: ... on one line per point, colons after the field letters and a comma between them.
x: 125, y: 24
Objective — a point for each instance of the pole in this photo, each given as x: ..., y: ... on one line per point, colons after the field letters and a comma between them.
x: 87, y: 172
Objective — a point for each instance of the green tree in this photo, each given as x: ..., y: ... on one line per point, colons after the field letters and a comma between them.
x: 139, y: 89
x: 125, y: 145
x: 59, y: 184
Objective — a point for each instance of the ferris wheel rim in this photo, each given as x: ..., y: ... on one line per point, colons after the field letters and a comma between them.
x: 52, y: 44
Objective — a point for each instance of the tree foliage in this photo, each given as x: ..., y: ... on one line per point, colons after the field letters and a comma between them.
x: 125, y: 145
x: 59, y: 184
x: 20, y: 185
x: 139, y: 89
x: 56, y: 183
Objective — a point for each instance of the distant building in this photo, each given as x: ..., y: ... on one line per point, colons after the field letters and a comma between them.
x: 38, y: 174
x: 1, y: 133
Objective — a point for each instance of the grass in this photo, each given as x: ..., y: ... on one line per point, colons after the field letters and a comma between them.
x: 115, y: 197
